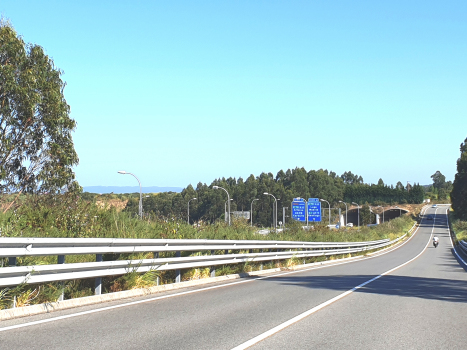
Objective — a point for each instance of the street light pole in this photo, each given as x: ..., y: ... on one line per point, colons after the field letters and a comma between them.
x: 277, y: 205
x: 140, y: 209
x: 358, y: 214
x: 228, y: 197
x: 188, y: 216
x: 324, y: 200
x: 251, y: 211
x: 283, y: 217
x: 275, y: 202
x: 225, y: 207
x: 345, y: 212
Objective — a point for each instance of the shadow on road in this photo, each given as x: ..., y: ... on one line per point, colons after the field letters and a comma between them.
x: 404, y: 286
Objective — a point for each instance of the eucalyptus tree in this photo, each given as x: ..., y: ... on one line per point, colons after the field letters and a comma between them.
x: 439, y: 180
x: 36, y: 148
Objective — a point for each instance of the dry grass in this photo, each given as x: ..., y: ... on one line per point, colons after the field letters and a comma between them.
x: 118, y: 204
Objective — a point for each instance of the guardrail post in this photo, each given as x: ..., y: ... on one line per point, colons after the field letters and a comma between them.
x: 261, y: 267
x: 156, y: 256
x: 213, y: 269
x: 12, y: 261
x: 61, y: 260
x: 98, y: 280
x: 177, y: 272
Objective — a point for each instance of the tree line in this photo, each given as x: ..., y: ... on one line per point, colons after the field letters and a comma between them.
x: 210, y: 204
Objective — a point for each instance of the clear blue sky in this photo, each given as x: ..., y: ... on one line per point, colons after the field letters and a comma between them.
x: 179, y: 92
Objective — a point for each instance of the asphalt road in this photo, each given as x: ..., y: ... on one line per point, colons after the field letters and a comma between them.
x: 420, y: 305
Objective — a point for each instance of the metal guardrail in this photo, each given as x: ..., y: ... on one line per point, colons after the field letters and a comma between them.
x: 463, y: 246
x: 14, y: 247
x: 241, y: 252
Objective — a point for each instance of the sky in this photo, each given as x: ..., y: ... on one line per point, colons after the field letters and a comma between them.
x: 181, y: 92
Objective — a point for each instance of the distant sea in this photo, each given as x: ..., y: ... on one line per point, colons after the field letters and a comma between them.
x: 129, y: 189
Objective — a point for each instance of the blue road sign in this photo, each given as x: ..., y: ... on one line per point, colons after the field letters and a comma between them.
x: 298, y: 210
x: 314, y: 209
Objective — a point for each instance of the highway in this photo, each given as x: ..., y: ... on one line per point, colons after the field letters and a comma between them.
x: 414, y: 297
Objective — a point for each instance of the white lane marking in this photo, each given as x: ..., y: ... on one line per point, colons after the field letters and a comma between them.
x: 195, y: 291
x: 307, y: 313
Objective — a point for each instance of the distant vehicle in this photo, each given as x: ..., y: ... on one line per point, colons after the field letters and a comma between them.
x: 434, y: 206
x: 349, y: 224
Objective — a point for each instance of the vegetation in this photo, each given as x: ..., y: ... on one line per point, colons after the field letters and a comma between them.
x: 36, y: 148
x: 440, y: 189
x: 210, y: 204
x: 459, y: 188
x: 459, y: 227
x: 458, y: 217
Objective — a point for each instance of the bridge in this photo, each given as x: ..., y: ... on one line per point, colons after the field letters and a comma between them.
x: 409, y: 296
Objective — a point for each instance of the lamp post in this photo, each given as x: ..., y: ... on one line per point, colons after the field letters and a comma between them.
x: 140, y: 209
x: 228, y: 198
x: 225, y: 207
x: 283, y: 217
x: 275, y: 203
x: 358, y: 213
x: 251, y: 211
x: 324, y: 200
x: 345, y: 212
x: 188, y: 214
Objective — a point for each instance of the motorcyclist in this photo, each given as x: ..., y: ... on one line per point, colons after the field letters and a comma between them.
x: 435, y: 241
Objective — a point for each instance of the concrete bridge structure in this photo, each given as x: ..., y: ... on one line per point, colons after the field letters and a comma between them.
x: 390, y: 213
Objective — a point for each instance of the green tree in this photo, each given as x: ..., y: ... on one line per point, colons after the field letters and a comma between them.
x: 459, y: 187
x: 439, y: 180
x: 351, y: 179
x: 36, y: 148
x: 366, y: 215
x: 442, y: 194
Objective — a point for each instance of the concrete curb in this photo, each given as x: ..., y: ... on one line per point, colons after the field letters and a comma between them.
x: 31, y: 310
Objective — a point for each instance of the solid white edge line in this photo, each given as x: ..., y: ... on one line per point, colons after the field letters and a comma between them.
x: 195, y: 291
x: 307, y: 313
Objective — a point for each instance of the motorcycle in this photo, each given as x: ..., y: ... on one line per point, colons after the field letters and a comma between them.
x: 435, y: 244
